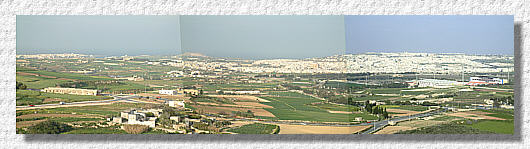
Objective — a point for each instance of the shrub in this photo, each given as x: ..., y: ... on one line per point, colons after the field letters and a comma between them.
x: 49, y: 127
x: 135, y: 128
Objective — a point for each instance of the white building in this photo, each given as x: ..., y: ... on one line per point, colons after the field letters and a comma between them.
x: 176, y: 103
x: 137, y: 117
x: 168, y: 92
x: 484, y: 80
x: 437, y: 83
x: 74, y: 91
x: 247, y: 92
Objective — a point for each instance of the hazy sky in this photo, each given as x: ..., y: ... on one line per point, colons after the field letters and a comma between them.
x: 260, y: 37
x: 98, y: 35
x: 445, y: 34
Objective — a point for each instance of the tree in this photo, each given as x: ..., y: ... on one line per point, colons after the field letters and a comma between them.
x: 49, y: 127
x: 368, y: 106
x: 149, y: 114
x: 21, y: 86
x: 385, y: 114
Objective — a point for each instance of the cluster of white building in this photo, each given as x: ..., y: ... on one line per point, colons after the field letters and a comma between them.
x: 356, y: 63
x: 239, y: 92
x: 179, y: 91
x: 138, y: 116
x: 473, y: 81
x: 426, y: 63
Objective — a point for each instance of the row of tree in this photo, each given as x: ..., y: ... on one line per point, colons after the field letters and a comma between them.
x: 374, y: 109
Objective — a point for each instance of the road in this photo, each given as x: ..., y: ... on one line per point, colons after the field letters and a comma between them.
x: 380, y: 124
x: 116, y: 98
x: 377, y: 125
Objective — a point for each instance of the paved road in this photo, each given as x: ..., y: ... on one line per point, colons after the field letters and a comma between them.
x: 380, y: 124
x: 123, y: 98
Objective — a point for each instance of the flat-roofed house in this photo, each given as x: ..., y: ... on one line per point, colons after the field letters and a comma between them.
x: 74, y: 91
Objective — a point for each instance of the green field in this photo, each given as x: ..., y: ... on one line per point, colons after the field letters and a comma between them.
x: 387, y: 90
x: 289, y: 94
x: 500, y: 113
x: 245, y: 86
x: 298, y: 107
x: 26, y: 97
x: 36, y: 82
x: 102, y: 110
x: 336, y: 107
x: 450, y: 128
x: 255, y: 128
x: 499, y: 127
x: 375, y: 97
x: 68, y: 75
x: 96, y: 131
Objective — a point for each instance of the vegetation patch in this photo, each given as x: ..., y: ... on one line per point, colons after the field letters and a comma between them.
x: 255, y: 128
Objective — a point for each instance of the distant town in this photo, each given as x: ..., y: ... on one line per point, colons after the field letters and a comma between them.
x: 368, y: 93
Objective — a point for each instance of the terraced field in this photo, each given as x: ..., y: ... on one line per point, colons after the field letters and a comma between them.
x: 296, y: 106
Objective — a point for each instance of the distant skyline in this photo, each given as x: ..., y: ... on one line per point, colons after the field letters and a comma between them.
x: 263, y: 37
x: 430, y: 34
x: 98, y: 35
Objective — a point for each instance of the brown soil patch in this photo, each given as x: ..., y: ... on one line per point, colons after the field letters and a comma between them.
x: 240, y: 123
x: 478, y: 112
x: 262, y: 112
x: 403, y: 112
x: 253, y: 104
x: 241, y: 97
x: 34, y: 74
x: 50, y: 115
x: 305, y: 129
x: 28, y: 123
x: 343, y: 112
x: 393, y: 129
x: 228, y: 110
x: 238, y: 104
x: 471, y: 115
x: 419, y: 123
x: 51, y: 100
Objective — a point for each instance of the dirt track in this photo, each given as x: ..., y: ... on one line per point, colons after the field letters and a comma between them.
x: 393, y: 129
x: 403, y: 112
x: 306, y: 129
x: 474, y: 115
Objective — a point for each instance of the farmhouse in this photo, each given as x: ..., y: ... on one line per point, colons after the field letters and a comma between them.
x: 74, y: 91
x: 138, y: 117
x: 177, y: 104
x: 168, y: 92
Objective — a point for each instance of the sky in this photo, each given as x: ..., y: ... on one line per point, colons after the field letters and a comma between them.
x: 430, y: 34
x: 263, y: 37
x: 98, y: 35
